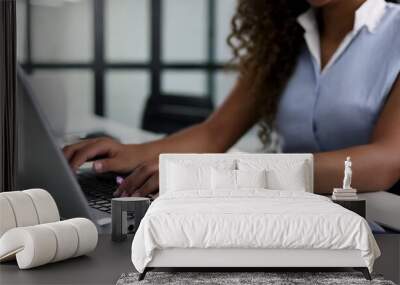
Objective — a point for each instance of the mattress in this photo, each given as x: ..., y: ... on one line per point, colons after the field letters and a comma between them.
x: 251, y: 219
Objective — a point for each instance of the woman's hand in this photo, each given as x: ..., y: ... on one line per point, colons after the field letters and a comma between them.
x: 107, y: 154
x: 142, y: 182
x: 112, y: 156
x: 217, y: 134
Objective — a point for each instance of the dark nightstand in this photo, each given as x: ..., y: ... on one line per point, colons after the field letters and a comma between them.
x: 357, y: 206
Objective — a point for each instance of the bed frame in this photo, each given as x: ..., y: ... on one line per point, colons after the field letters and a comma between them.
x: 242, y: 258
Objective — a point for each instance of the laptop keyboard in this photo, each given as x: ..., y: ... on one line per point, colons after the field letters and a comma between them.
x: 98, y: 190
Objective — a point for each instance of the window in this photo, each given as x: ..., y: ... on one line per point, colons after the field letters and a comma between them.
x: 131, y: 49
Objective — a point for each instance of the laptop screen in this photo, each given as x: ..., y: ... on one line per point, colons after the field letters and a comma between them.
x: 41, y: 163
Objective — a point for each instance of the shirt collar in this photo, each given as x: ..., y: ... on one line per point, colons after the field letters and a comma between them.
x: 368, y: 14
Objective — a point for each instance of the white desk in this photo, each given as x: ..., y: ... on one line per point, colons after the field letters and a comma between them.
x: 78, y: 127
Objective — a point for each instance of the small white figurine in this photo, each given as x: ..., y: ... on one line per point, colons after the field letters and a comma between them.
x: 347, y: 174
x: 347, y: 192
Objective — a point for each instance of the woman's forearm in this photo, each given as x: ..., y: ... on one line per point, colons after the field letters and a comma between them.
x: 219, y: 132
x: 375, y: 168
x: 196, y: 139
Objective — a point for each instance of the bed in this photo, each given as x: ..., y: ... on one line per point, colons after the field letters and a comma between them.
x: 247, y: 211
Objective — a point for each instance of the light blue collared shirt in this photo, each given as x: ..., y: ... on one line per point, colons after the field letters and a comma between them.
x: 338, y: 107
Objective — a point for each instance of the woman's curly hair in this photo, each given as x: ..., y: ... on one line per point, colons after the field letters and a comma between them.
x: 266, y: 41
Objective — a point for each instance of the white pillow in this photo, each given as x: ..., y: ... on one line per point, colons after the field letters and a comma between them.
x: 184, y: 177
x: 281, y: 174
x: 251, y: 178
x: 293, y: 180
x: 225, y: 179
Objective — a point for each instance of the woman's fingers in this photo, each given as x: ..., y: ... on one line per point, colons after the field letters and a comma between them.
x: 139, y: 177
x: 107, y: 165
x: 150, y: 186
x: 88, y: 151
x: 69, y: 150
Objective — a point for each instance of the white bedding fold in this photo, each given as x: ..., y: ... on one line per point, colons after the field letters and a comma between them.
x: 250, y: 219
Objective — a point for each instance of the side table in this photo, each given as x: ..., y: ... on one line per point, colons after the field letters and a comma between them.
x: 357, y: 206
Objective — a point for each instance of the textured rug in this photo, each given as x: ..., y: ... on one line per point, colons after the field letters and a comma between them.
x: 269, y: 278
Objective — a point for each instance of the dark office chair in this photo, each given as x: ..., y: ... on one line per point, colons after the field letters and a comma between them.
x: 395, y: 189
x: 168, y: 113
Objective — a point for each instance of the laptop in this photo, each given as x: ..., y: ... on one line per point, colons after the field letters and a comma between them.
x: 41, y: 164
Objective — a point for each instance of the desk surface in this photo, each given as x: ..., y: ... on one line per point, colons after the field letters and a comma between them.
x: 103, y: 266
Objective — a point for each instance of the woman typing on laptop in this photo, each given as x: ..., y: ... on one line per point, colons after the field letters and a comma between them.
x: 323, y: 73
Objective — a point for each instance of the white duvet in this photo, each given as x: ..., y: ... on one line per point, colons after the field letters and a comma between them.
x: 250, y: 219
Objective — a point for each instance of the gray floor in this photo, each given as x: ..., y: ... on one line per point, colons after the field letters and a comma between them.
x: 103, y: 266
x: 389, y: 263
x: 110, y: 260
